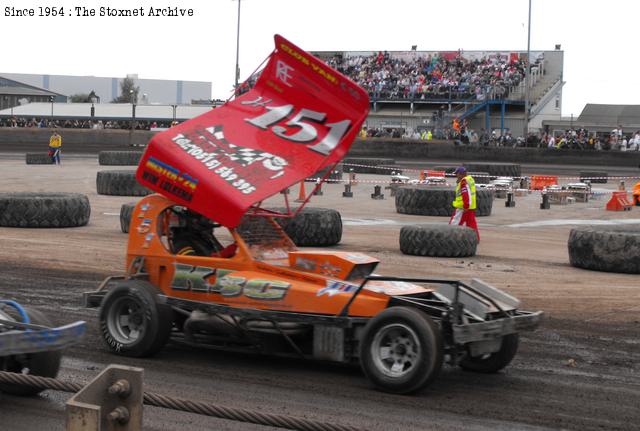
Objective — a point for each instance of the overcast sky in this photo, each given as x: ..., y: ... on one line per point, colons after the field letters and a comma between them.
x: 598, y: 37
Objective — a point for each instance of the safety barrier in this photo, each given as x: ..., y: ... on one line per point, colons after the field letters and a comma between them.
x: 115, y: 391
x: 619, y: 202
x: 539, y: 182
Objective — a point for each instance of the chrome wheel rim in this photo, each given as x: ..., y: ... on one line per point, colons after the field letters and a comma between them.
x: 395, y: 350
x: 126, y: 321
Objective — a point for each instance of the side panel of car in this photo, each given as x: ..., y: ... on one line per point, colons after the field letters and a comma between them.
x: 237, y: 281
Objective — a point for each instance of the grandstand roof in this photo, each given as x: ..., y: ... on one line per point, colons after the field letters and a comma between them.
x: 105, y: 111
x: 594, y: 113
x: 12, y: 87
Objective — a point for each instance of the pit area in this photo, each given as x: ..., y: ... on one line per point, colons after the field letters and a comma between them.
x: 579, y: 370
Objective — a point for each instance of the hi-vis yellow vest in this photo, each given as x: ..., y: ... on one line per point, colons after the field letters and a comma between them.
x: 458, y: 202
x: 55, y: 141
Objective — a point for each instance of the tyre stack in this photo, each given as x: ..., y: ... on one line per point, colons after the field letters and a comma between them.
x: 334, y: 176
x: 360, y: 165
x: 436, y: 201
x: 312, y: 227
x: 44, y: 210
x: 120, y: 183
x: 38, y: 159
x: 496, y: 169
x: 606, y: 248
x: 438, y: 240
x: 126, y: 210
x: 594, y: 176
x: 119, y: 158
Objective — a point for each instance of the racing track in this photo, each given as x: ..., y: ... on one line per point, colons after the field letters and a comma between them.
x: 539, y: 389
x: 579, y: 371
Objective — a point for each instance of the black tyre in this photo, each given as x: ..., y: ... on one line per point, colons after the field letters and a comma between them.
x: 436, y: 201
x: 43, y: 364
x: 496, y: 169
x: 364, y: 165
x: 119, y: 158
x: 606, y: 248
x: 132, y: 320
x: 38, y: 159
x: 44, y: 210
x: 126, y: 210
x: 481, y: 177
x: 401, y: 350
x: 313, y: 227
x: 335, y: 175
x: 438, y: 241
x: 493, y: 362
x: 120, y: 183
x: 594, y: 176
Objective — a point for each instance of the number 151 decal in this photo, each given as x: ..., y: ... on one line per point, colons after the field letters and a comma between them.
x: 304, y: 120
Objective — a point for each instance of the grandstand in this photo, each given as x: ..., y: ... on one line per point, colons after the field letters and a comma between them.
x: 428, y: 89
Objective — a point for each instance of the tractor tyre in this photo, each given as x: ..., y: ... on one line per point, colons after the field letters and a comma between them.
x: 401, y: 350
x: 43, y: 364
x: 119, y: 158
x: 436, y: 201
x: 120, y: 183
x: 133, y: 321
x: 44, y: 210
x: 438, y: 241
x: 496, y: 169
x: 493, y: 362
x: 606, y: 248
x: 313, y: 227
x: 363, y: 165
x: 594, y: 176
x: 38, y: 159
x: 126, y: 210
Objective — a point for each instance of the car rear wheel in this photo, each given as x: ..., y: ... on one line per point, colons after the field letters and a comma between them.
x: 401, y: 350
x: 132, y: 320
x: 44, y: 364
x: 493, y: 362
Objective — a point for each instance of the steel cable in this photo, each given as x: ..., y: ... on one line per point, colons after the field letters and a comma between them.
x: 157, y: 400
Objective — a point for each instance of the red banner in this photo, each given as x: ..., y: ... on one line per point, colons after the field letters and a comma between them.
x: 301, y: 115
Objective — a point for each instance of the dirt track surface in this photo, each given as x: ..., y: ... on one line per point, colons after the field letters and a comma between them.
x: 579, y: 371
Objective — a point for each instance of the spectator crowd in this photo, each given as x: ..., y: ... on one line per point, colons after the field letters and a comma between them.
x: 433, y: 76
x: 84, y: 124
x: 461, y: 134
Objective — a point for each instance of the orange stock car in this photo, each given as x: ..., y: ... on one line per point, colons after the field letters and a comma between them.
x: 249, y: 288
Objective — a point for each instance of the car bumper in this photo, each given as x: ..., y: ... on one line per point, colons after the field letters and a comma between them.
x: 482, y: 331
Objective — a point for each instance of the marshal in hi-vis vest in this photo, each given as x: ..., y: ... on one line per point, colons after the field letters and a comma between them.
x: 471, y: 184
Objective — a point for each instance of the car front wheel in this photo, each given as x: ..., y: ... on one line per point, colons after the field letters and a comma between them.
x: 401, y: 350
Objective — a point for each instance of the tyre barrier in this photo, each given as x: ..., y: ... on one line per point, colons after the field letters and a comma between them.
x: 605, y: 248
x: 496, y: 169
x: 335, y: 175
x: 594, y: 176
x: 370, y: 166
x: 448, y: 169
x: 119, y: 158
x: 436, y: 201
x: 38, y: 159
x: 481, y: 177
x: 313, y: 227
x: 438, y: 240
x: 120, y: 183
x: 44, y: 210
x: 126, y: 210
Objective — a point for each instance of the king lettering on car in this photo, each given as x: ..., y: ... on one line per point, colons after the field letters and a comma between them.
x: 300, y: 116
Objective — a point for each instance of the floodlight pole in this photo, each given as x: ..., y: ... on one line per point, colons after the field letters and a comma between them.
x: 527, y: 78
x: 238, y: 49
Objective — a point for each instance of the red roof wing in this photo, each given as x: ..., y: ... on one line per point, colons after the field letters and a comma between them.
x: 301, y: 116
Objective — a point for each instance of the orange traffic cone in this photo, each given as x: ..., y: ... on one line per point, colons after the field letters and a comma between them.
x: 301, y: 194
